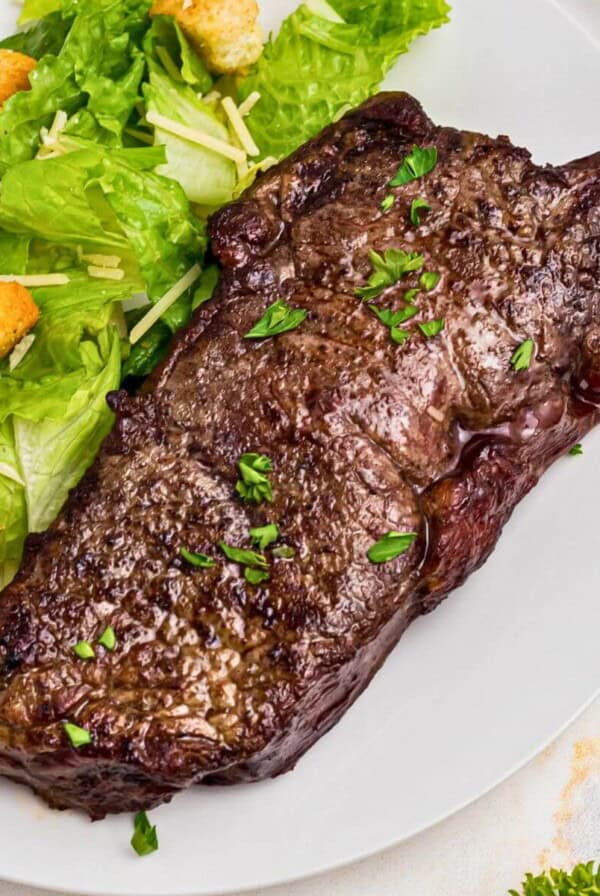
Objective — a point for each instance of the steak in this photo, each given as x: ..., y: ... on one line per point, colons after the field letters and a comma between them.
x: 216, y: 679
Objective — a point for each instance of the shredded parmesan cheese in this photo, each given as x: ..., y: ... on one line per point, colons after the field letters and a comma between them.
x: 187, y: 4
x: 33, y: 280
x: 213, y: 97
x: 156, y: 312
x: 20, y: 350
x: 105, y: 273
x: 194, y: 136
x: 103, y: 261
x: 58, y: 125
x: 249, y: 103
x: 239, y: 126
x: 49, y: 138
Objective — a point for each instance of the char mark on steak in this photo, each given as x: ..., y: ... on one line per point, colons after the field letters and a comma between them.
x: 214, y: 679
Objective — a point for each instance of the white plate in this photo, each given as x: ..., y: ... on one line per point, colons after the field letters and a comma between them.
x: 475, y: 689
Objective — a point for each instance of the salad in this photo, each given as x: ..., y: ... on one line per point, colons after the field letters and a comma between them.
x: 111, y: 161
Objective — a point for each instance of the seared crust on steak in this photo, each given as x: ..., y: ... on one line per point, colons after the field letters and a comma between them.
x: 217, y: 680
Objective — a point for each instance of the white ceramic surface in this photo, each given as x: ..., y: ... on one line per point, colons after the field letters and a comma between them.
x: 476, y: 688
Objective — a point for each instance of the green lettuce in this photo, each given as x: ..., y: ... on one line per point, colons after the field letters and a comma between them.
x: 45, y: 37
x: 97, y: 200
x: 53, y: 418
x: 207, y: 177
x: 319, y: 66
x: 13, y: 507
x: 38, y: 9
x: 95, y: 78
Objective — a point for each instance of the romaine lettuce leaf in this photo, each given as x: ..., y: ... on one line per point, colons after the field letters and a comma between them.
x: 104, y: 201
x: 97, y: 74
x: 46, y: 36
x: 13, y: 507
x: 317, y: 67
x: 207, y: 177
x: 53, y: 455
x: 37, y: 9
x: 165, y: 34
x: 53, y: 417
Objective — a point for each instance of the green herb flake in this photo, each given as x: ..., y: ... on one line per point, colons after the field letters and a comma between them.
x: 84, y: 650
x: 410, y: 294
x: 263, y: 536
x: 432, y: 328
x: 419, y: 162
x: 244, y: 557
x: 79, y: 737
x: 388, y: 203
x: 108, y: 639
x: 416, y: 206
x: 391, y: 546
x: 523, y: 355
x: 393, y: 318
x: 429, y: 280
x: 399, y: 336
x: 254, y: 485
x: 255, y: 576
x: 145, y: 838
x: 584, y: 880
x: 278, y: 318
x: 576, y: 450
x: 388, y: 270
x: 203, y: 561
x: 284, y: 552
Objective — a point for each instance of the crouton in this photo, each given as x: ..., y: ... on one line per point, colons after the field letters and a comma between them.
x: 225, y: 33
x: 18, y: 314
x: 15, y: 69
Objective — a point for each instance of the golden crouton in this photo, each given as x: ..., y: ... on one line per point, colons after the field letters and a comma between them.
x: 226, y: 33
x: 18, y: 314
x: 15, y: 69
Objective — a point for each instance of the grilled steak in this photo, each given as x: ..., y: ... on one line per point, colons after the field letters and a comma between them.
x: 214, y: 679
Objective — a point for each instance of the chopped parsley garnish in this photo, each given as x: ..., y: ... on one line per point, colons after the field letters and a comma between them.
x: 398, y: 335
x: 576, y: 449
x: 410, y: 294
x: 263, y: 536
x: 284, y: 552
x: 108, y: 639
x: 391, y: 546
x: 389, y: 270
x: 255, y: 576
x: 432, y: 327
x: 416, y: 206
x: 388, y: 203
x: 393, y: 318
x: 278, y: 318
x: 244, y: 557
x: 79, y: 737
x: 195, y: 559
x: 523, y: 355
x: 254, y: 485
x: 255, y: 565
x: 419, y: 162
x: 145, y: 838
x: 84, y: 650
x: 429, y: 280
